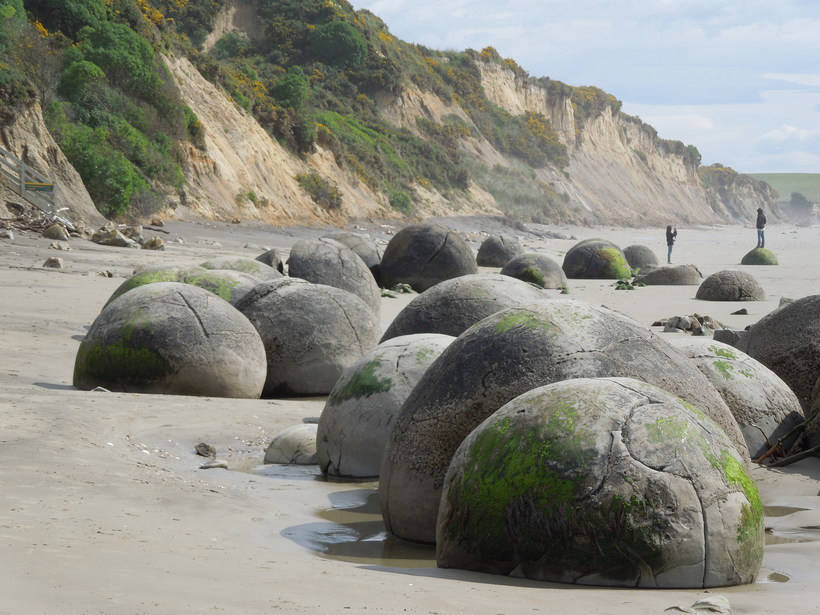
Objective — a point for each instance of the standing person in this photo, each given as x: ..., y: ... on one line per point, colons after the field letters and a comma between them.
x: 761, y: 226
x: 671, y: 233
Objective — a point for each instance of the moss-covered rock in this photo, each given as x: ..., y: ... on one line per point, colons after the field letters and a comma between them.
x: 596, y: 259
x: 537, y: 269
x: 759, y: 256
x: 256, y: 268
x: 601, y: 482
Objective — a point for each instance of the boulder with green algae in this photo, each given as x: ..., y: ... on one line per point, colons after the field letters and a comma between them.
x: 601, y: 482
x: 251, y: 266
x: 759, y: 256
x: 501, y: 357
x: 498, y: 250
x: 763, y: 405
x: 596, y: 259
x: 360, y: 410
x: 228, y: 284
x: 175, y: 339
x: 452, y: 306
x: 537, y: 269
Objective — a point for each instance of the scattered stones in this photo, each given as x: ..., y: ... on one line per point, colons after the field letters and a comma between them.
x: 730, y: 286
x: 174, y: 339
x: 6, y: 233
x: 153, y: 243
x: 245, y: 265
x: 54, y: 262
x: 640, y: 257
x: 273, y: 258
x: 105, y: 274
x: 596, y: 259
x: 452, y: 306
x: 740, y: 312
x: 365, y: 249
x: 422, y: 255
x: 537, y: 269
x: 759, y: 256
x: 763, y: 405
x: 680, y: 275
x: 692, y: 325
x: 134, y: 231
x: 214, y: 464
x: 498, y: 250
x: 326, y: 261
x: 311, y: 333
x: 359, y: 412
x: 294, y: 445
x: 502, y: 356
x: 59, y: 245
x: 601, y: 482
x: 56, y: 231
x: 205, y: 450
x: 108, y: 235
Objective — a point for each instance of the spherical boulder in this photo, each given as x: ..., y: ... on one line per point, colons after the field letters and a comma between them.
x: 499, y: 358
x: 359, y: 412
x: 640, y: 257
x: 326, y: 261
x: 680, y: 275
x: 498, y: 250
x: 152, y: 275
x: 273, y: 258
x: 537, y: 269
x: 452, y: 306
x: 787, y: 341
x: 364, y: 247
x: 601, y: 482
x: 311, y: 332
x: 174, y: 339
x: 294, y: 445
x: 596, y: 259
x: 255, y: 268
x: 763, y: 405
x: 422, y: 255
x: 730, y: 285
x: 759, y: 256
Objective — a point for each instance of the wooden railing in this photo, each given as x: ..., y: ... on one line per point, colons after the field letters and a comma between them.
x: 32, y: 186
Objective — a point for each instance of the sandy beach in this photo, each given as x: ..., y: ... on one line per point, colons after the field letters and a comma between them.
x: 104, y: 508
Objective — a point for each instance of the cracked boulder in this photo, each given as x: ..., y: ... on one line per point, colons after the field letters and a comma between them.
x: 498, y: 250
x: 294, y: 445
x: 730, y: 285
x: 501, y: 357
x: 640, y: 257
x: 364, y: 247
x: 596, y: 259
x: 311, y: 333
x: 423, y: 255
x: 250, y: 266
x: 537, y: 269
x: 174, y: 339
x: 228, y: 284
x: 360, y: 410
x: 326, y: 261
x: 763, y: 405
x: 273, y: 258
x: 452, y: 306
x: 609, y: 482
x: 680, y: 275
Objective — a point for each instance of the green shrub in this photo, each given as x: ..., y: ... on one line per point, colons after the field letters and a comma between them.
x: 232, y: 45
x: 401, y: 201
x: 196, y: 133
x: 16, y: 91
x: 339, y: 44
x: 292, y: 89
x: 79, y: 81
x: 323, y: 192
x: 12, y: 18
x: 68, y: 16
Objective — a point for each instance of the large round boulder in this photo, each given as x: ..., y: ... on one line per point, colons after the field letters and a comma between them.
x: 294, y: 445
x: 311, y: 332
x: 730, y: 285
x: 680, y: 275
x: 763, y: 405
x: 498, y: 250
x: 596, y: 259
x: 640, y: 257
x: 175, y: 339
x: 759, y: 256
x: 452, y: 306
x: 364, y: 247
x: 501, y: 357
x: 360, y: 409
x: 326, y: 261
x: 152, y: 275
x: 601, y: 482
x: 537, y: 269
x: 422, y: 255
x: 787, y: 341
x: 253, y: 267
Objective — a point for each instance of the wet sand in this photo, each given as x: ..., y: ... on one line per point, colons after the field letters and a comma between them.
x: 104, y: 509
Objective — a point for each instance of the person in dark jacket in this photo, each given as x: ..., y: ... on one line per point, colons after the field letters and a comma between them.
x: 761, y: 225
x: 671, y: 233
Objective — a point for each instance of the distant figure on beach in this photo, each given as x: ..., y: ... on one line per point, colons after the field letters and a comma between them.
x: 671, y: 233
x: 761, y: 226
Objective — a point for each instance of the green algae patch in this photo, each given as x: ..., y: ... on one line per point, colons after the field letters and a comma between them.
x: 759, y: 256
x: 722, y: 352
x: 215, y: 283
x: 724, y: 368
x: 525, y: 320
x: 146, y: 277
x: 117, y: 364
x: 616, y: 266
x: 750, y: 530
x: 423, y: 353
x: 245, y: 265
x: 363, y: 383
x: 533, y: 275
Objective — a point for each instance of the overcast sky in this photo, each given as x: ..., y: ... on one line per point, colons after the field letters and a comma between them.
x: 740, y: 79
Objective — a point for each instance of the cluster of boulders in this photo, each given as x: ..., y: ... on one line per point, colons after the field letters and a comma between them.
x: 694, y: 324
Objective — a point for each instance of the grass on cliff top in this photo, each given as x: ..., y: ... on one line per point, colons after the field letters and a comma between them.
x: 807, y: 184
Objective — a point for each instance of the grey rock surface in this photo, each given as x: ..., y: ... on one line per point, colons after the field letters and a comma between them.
x: 730, y: 285
x: 294, y: 445
x: 498, y: 250
x: 253, y: 267
x: 273, y: 258
x: 680, y: 275
x: 640, y: 257
x: 365, y: 248
x: 537, y: 269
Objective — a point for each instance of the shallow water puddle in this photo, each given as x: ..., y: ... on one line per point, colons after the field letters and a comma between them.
x: 780, y: 529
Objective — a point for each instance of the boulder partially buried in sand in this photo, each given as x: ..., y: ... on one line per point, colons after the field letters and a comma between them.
x: 311, y: 333
x: 326, y: 261
x: 680, y: 275
x: 359, y: 412
x: 763, y: 405
x: 422, y: 255
x: 596, y: 259
x: 537, y: 269
x: 501, y: 357
x: 498, y: 250
x: 730, y: 286
x: 759, y: 256
x: 175, y: 339
x: 452, y: 306
x: 255, y: 268
x: 601, y: 482
x: 640, y: 257
x: 294, y: 445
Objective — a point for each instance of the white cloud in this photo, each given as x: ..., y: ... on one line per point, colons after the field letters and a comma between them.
x: 812, y: 80
x: 787, y: 132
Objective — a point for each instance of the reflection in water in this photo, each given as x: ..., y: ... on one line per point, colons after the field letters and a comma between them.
x: 780, y: 511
